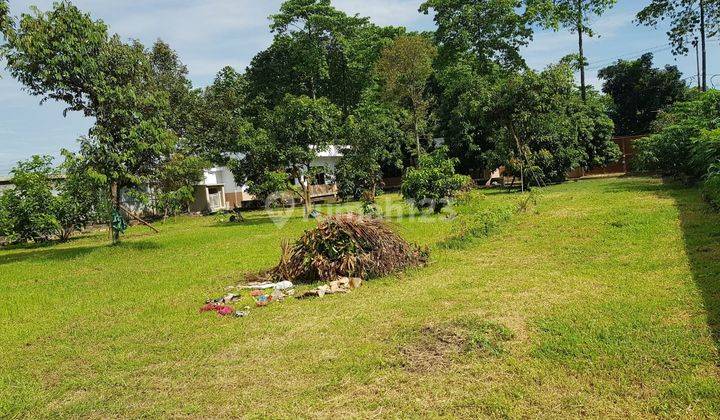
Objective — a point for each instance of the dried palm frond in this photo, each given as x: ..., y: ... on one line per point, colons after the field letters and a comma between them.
x: 347, y: 245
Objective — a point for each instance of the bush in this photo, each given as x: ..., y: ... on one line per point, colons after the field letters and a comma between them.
x: 434, y: 181
x: 706, y: 151
x: 354, y: 179
x: 711, y: 188
x: 685, y: 142
x: 42, y: 205
x: 475, y: 218
x: 81, y: 199
x: 29, y: 205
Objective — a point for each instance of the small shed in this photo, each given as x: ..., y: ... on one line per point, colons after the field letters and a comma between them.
x: 209, y: 198
x: 210, y: 194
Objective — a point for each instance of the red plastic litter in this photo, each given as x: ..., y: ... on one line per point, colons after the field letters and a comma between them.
x: 209, y: 307
x: 225, y: 310
x: 220, y: 309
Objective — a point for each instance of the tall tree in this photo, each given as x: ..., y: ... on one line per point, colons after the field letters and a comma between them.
x: 574, y: 15
x: 405, y: 68
x: 543, y: 129
x: 687, y: 17
x: 171, y: 77
x: 220, y: 125
x: 479, y: 43
x: 492, y: 30
x: 65, y: 55
x: 374, y: 138
x: 639, y: 92
x: 317, y: 51
x: 4, y: 15
x: 316, y: 29
x: 298, y: 129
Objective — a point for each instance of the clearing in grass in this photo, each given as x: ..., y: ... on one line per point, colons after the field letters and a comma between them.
x: 602, y: 300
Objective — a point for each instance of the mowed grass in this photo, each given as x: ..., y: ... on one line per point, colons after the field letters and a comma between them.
x: 604, y: 300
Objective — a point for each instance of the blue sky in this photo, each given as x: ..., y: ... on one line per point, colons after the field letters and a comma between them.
x: 209, y: 34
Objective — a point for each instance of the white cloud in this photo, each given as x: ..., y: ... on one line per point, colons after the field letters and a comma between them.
x: 384, y: 12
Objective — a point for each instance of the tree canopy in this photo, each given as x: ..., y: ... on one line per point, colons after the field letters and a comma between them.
x: 573, y: 15
x: 687, y: 18
x: 135, y: 96
x: 544, y: 129
x: 639, y: 92
x: 385, y: 96
x: 405, y: 67
x: 298, y: 129
x: 491, y: 30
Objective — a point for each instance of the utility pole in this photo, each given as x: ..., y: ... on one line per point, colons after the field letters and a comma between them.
x: 702, y: 40
x: 582, y: 54
x: 697, y: 61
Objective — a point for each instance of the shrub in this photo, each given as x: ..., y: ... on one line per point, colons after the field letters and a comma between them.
x: 29, y: 205
x: 433, y: 182
x: 42, y: 205
x: 81, y: 199
x: 711, y: 188
x: 5, y: 217
x: 685, y: 143
x: 354, y: 179
x: 706, y: 151
x: 475, y: 218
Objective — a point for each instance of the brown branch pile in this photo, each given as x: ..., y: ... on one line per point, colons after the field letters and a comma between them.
x: 347, y: 245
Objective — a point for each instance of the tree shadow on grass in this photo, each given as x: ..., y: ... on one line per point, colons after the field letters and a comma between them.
x: 51, y: 252
x: 700, y: 226
x: 257, y: 220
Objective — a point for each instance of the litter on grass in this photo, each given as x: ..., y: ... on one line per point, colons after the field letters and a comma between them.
x: 341, y: 251
x: 282, y: 285
x: 230, y: 297
x: 347, y: 245
x: 341, y: 285
x: 220, y: 309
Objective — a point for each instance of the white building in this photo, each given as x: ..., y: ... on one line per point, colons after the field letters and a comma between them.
x: 219, y: 191
x: 5, y: 183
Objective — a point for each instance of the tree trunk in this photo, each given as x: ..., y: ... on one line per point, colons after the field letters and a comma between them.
x: 305, y: 185
x: 702, y: 45
x: 115, y: 234
x: 583, y: 93
x: 417, y: 135
x: 521, y: 152
x: 697, y: 63
x: 306, y: 188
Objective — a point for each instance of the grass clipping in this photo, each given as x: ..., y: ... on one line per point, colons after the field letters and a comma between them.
x: 347, y: 245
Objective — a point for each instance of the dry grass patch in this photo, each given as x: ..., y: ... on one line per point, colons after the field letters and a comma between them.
x: 438, y: 345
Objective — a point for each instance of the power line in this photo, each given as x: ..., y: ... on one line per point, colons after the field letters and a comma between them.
x: 712, y: 80
x: 597, y: 64
x: 601, y: 63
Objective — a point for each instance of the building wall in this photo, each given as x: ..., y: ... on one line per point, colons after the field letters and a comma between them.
x: 236, y: 194
x: 6, y: 186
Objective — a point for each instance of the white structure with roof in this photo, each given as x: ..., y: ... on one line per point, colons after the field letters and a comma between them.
x: 219, y: 191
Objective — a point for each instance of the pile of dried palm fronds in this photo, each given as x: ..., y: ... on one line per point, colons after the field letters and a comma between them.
x: 347, y: 245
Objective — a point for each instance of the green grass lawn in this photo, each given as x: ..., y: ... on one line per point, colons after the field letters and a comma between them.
x: 602, y: 300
